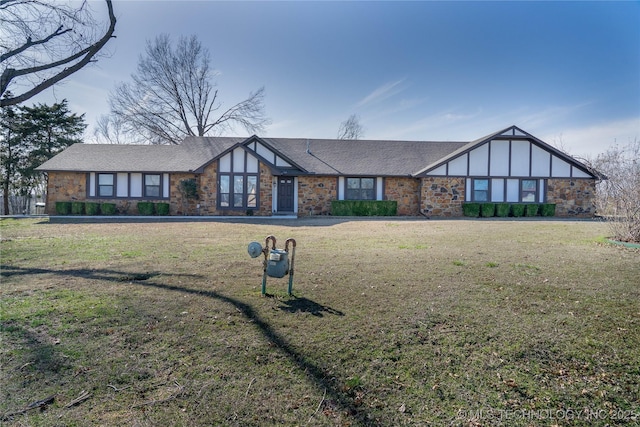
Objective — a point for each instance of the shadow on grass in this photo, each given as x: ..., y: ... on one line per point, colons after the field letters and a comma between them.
x: 88, y: 273
x: 331, y: 387
x: 305, y: 305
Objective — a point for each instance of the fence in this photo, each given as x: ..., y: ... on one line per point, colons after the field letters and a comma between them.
x: 23, y: 205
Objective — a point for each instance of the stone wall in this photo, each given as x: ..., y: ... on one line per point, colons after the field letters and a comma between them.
x: 405, y: 191
x: 72, y: 186
x: 573, y: 197
x: 265, y: 201
x: 178, y: 205
x: 442, y: 196
x: 208, y: 193
x: 65, y: 187
x: 439, y: 196
x: 315, y: 194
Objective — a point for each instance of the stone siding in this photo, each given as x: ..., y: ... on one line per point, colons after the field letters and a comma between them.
x: 315, y: 194
x: 266, y: 183
x: 405, y: 191
x: 442, y: 196
x: 178, y: 205
x: 72, y: 187
x: 208, y: 193
x: 434, y: 196
x: 65, y: 187
x: 573, y: 197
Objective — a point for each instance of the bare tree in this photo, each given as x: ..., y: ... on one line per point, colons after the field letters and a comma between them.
x: 618, y: 194
x: 109, y: 129
x: 171, y: 96
x: 351, y: 128
x: 43, y: 42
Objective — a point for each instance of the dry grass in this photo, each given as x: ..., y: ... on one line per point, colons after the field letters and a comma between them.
x: 392, y: 322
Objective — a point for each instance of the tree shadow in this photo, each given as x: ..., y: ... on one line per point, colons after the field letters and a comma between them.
x: 88, y: 273
x: 331, y: 387
x: 304, y: 305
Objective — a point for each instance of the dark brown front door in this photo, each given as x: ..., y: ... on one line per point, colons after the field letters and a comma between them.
x: 285, y: 194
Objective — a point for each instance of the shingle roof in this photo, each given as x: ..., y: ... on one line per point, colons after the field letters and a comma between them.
x: 361, y: 157
x: 312, y: 156
x: 189, y: 156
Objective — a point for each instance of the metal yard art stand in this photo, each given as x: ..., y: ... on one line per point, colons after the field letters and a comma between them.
x: 276, y: 261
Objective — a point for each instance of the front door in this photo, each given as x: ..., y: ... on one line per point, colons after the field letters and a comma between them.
x: 285, y: 194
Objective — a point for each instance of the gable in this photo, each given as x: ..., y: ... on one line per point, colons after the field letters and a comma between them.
x: 509, y: 153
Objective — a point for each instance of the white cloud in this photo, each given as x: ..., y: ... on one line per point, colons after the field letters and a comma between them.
x: 383, y: 92
x: 591, y: 140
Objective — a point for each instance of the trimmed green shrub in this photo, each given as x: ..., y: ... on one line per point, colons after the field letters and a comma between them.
x: 502, y: 209
x: 77, y: 208
x: 487, y: 209
x: 63, y: 208
x: 517, y: 210
x: 145, y: 208
x: 162, y: 208
x: 92, y: 208
x: 189, y: 188
x: 471, y: 209
x: 548, y: 209
x: 531, y: 209
x: 108, y: 208
x: 364, y: 208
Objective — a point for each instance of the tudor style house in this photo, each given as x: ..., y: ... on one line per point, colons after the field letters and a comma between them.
x: 271, y: 176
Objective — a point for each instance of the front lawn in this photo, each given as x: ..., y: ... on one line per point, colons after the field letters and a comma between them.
x: 392, y: 322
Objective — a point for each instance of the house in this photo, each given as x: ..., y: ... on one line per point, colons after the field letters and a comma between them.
x: 271, y: 176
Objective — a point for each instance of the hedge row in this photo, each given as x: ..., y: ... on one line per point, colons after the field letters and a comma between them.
x: 150, y: 208
x: 364, y: 208
x: 95, y: 208
x: 487, y: 210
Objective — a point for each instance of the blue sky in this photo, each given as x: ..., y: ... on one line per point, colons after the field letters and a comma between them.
x: 567, y: 72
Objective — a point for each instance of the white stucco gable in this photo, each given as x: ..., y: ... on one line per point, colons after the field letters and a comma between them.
x: 509, y: 153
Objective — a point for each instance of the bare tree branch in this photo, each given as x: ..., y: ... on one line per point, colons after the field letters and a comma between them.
x: 172, y: 96
x: 351, y: 128
x: 71, y: 63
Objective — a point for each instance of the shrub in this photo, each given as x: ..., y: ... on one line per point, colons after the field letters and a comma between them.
x: 502, y: 209
x: 162, y: 208
x: 63, y: 208
x: 364, y: 207
x: 487, y: 209
x: 92, y: 208
x: 189, y: 188
x: 471, y: 209
x: 108, y: 208
x: 548, y: 209
x: 145, y: 208
x: 77, y: 208
x: 517, y: 210
x: 531, y: 209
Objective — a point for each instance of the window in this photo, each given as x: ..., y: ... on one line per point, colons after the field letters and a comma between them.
x: 528, y: 191
x: 106, y: 185
x: 252, y: 196
x: 223, y: 193
x: 480, y: 190
x: 360, y: 189
x: 237, y: 188
x: 238, y: 191
x: 152, y: 185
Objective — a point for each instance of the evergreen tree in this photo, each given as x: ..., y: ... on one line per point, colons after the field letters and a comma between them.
x: 29, y: 137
